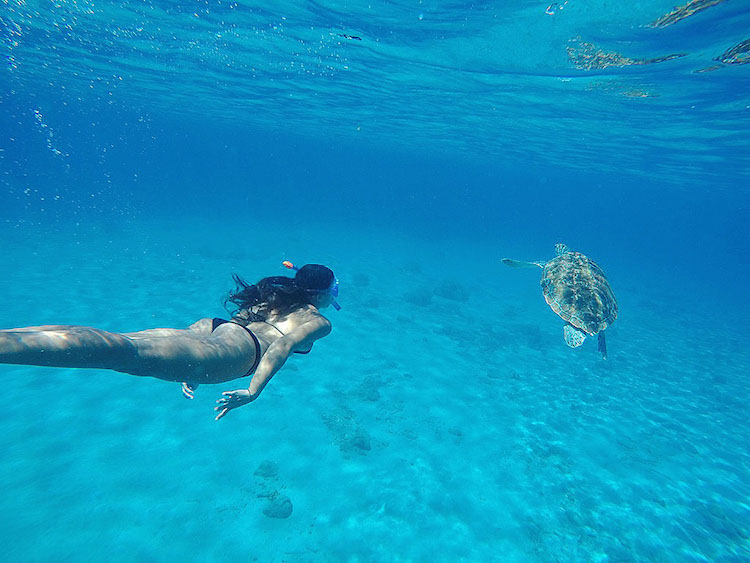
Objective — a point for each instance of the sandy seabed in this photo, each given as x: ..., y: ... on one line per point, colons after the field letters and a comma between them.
x: 443, y: 419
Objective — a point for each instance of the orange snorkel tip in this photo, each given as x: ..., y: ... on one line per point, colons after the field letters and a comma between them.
x: 287, y: 264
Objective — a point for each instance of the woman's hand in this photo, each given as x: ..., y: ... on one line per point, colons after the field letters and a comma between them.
x: 188, y: 390
x: 231, y: 400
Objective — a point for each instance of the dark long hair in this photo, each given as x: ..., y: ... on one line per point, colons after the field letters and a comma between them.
x: 278, y: 294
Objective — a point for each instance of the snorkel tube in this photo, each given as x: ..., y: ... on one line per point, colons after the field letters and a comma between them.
x: 333, y: 291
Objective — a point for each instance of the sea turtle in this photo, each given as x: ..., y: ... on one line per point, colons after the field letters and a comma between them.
x: 576, y: 288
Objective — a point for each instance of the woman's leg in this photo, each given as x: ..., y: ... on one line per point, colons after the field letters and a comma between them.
x: 66, y: 346
x: 175, y: 355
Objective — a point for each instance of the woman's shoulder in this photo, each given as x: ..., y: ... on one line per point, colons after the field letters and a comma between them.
x: 298, y: 317
x: 305, y: 313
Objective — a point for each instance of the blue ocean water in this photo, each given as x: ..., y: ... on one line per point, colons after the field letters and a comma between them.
x: 149, y: 149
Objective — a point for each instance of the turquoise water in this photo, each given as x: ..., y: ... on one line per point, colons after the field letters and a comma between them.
x: 148, y: 150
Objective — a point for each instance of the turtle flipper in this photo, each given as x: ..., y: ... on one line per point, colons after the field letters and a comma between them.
x: 521, y: 263
x: 603, y: 345
x: 573, y: 337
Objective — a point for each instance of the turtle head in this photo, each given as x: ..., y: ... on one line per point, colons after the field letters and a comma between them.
x: 561, y: 249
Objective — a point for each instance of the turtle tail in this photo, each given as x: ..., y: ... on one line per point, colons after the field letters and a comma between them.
x: 603, y: 345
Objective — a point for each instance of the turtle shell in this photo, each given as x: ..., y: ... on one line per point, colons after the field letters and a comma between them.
x: 576, y: 288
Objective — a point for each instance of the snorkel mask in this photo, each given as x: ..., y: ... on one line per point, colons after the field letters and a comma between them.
x: 333, y: 291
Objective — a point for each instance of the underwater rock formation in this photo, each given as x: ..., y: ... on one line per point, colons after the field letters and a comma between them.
x: 347, y: 434
x: 267, y: 486
x: 267, y: 469
x: 279, y: 506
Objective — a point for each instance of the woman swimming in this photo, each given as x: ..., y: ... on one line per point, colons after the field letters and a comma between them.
x: 274, y: 318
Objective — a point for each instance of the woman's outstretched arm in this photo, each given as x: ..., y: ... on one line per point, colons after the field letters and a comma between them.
x: 273, y: 360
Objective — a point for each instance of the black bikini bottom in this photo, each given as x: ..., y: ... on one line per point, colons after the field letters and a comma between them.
x: 218, y: 322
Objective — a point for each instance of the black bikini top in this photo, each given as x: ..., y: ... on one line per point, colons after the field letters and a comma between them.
x: 282, y: 334
x: 255, y: 318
